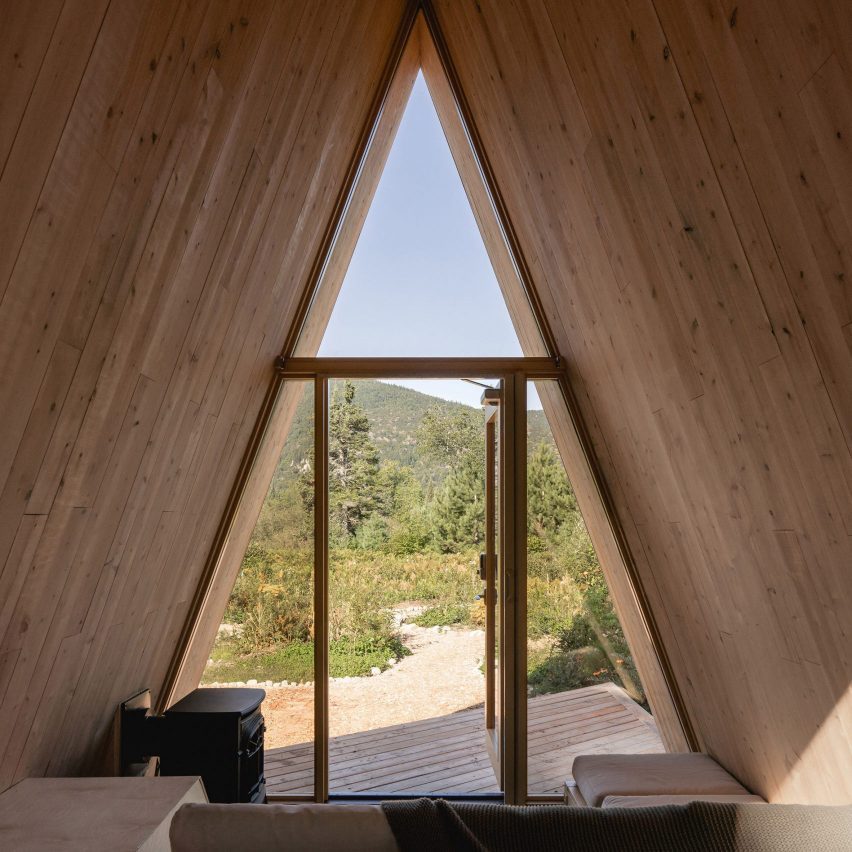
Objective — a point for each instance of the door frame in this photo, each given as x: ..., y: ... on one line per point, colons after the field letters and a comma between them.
x: 513, y: 374
x: 488, y: 571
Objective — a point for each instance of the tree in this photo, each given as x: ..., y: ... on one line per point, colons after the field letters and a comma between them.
x: 353, y: 462
x: 550, y: 500
x: 459, y: 511
x: 456, y: 440
x: 452, y: 438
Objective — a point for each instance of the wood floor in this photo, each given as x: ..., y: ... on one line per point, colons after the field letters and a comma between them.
x: 447, y: 754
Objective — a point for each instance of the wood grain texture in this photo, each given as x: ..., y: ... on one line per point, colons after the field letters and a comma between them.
x: 167, y: 169
x: 331, y: 270
x: 529, y: 334
x: 679, y: 177
x: 447, y: 754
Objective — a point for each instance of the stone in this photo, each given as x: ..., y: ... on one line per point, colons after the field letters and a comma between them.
x: 252, y: 682
x: 392, y: 661
x: 375, y: 670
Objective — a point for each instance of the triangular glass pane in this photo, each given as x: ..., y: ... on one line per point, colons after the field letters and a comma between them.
x: 420, y: 282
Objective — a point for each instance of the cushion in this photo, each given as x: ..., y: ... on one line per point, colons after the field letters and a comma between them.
x: 655, y: 801
x: 281, y: 828
x: 602, y: 775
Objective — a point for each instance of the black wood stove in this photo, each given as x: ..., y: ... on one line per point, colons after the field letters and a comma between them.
x: 214, y: 733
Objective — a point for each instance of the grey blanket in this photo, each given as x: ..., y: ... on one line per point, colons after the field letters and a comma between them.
x: 423, y: 825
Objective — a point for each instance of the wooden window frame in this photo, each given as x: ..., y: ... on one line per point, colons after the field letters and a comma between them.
x: 513, y: 375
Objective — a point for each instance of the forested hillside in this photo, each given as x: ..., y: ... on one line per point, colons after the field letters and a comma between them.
x: 395, y: 414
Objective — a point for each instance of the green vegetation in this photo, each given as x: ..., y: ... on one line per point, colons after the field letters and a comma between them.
x: 294, y: 661
x: 445, y: 615
x: 406, y: 521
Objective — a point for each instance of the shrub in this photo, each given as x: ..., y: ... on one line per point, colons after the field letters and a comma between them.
x: 551, y: 606
x: 556, y: 673
x: 372, y: 534
x: 272, y: 603
x: 272, y: 599
x: 560, y: 670
x: 578, y: 635
x: 408, y: 541
x: 294, y: 661
x: 444, y: 615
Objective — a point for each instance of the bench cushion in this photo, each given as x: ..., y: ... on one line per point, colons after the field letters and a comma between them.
x: 602, y: 775
x: 656, y: 801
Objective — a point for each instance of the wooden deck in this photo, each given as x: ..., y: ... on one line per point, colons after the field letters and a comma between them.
x: 447, y: 754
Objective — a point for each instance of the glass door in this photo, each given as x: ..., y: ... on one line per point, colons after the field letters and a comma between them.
x: 539, y: 665
x: 502, y: 572
x: 489, y: 574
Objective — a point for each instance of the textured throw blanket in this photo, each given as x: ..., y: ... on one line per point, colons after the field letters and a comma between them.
x: 424, y: 825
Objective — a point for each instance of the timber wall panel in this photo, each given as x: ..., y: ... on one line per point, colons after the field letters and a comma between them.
x: 566, y: 437
x: 678, y: 175
x: 308, y: 343
x: 679, y: 172
x: 167, y: 169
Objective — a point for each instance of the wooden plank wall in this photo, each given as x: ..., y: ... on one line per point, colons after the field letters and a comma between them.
x: 681, y: 180
x: 529, y: 335
x: 421, y: 51
x: 168, y: 167
x: 679, y: 175
x: 308, y: 343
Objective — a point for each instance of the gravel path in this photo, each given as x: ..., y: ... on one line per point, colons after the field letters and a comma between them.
x: 441, y: 676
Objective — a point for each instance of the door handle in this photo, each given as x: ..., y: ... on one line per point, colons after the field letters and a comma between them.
x: 482, y: 566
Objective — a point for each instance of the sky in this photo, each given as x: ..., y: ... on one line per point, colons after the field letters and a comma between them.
x: 420, y: 282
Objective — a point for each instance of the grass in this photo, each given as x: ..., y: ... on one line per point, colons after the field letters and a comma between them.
x: 294, y: 662
x: 444, y: 615
x: 272, y: 604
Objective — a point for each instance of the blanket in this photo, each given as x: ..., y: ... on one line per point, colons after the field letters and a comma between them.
x: 424, y: 825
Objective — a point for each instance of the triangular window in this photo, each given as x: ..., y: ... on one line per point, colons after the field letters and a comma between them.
x: 420, y: 282
x: 385, y: 504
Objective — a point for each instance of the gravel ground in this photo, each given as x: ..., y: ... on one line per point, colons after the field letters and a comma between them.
x: 441, y: 676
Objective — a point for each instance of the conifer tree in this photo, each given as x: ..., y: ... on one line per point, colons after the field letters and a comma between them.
x: 456, y: 441
x: 459, y: 512
x: 353, y: 462
x: 550, y: 500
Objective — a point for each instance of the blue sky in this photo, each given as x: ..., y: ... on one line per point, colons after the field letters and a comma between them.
x: 420, y: 282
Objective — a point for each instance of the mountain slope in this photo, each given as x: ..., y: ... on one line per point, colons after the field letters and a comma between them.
x: 395, y: 414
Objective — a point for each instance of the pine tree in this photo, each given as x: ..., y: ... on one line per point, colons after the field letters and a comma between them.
x: 550, y: 500
x: 459, y: 512
x: 353, y: 462
x: 456, y: 441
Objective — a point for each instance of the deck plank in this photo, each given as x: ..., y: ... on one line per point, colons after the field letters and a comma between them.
x: 447, y: 754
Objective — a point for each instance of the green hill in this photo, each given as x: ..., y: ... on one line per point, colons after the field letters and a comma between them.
x: 395, y: 414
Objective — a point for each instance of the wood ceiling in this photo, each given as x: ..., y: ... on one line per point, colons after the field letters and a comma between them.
x: 680, y: 180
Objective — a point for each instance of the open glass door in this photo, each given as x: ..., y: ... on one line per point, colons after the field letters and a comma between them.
x: 504, y: 573
x: 489, y: 574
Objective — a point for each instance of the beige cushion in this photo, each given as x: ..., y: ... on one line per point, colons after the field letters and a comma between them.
x: 602, y: 775
x: 281, y: 828
x: 656, y: 801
